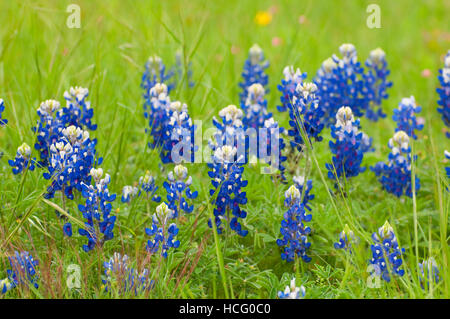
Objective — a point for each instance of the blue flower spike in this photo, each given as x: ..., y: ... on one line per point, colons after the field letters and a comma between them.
x: 23, y: 160
x: 147, y: 184
x: 444, y: 92
x: 3, y: 121
x: 346, y: 239
x: 429, y: 272
x: 129, y: 193
x: 254, y: 71
x: 23, y: 272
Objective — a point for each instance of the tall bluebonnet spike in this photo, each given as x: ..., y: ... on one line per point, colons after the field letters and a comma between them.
x: 157, y: 114
x: 340, y: 82
x: 254, y: 72
x: 99, y: 224
x: 304, y: 190
x: 255, y: 107
x: 292, y: 291
x: 376, y: 83
x: 274, y: 135
x: 121, y: 276
x: 129, y: 192
x: 395, y: 175
x: 2, y: 108
x: 147, y: 184
x: 444, y: 92
x: 429, y: 272
x: 293, y: 228
x: 447, y: 169
x: 226, y: 179
x: 161, y: 232
x: 405, y: 117
x: 386, y: 254
x: 155, y: 72
x: 288, y: 86
x: 306, y: 112
x: 348, y: 148
x: 22, y: 272
x: 78, y: 110
x: 346, y: 239
x: 23, y: 160
x: 179, y: 192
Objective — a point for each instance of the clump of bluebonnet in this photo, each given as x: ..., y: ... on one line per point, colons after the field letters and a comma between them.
x: 162, y: 233
x: 288, y: 87
x: 376, y: 83
x: 429, y: 272
x: 255, y: 107
x: 405, y: 117
x: 395, y: 175
x: 147, y: 184
x: 23, y: 272
x: 122, y: 278
x: 23, y: 160
x: 2, y: 108
x: 386, y: 254
x: 254, y: 72
x: 179, y: 192
x: 78, y: 110
x: 349, y: 146
x: 156, y: 113
x: 293, y: 228
x: 96, y: 211
x: 346, y: 239
x: 305, y: 114
x: 444, y: 92
x: 155, y: 72
x: 292, y: 291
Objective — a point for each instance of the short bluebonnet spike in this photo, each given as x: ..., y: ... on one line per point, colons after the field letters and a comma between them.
x: 147, y: 184
x: 23, y: 272
x: 162, y: 232
x: 2, y: 108
x: 293, y: 228
x: 395, y: 175
x: 155, y: 72
x: 292, y: 78
x: 346, y: 239
x: 254, y: 72
x: 405, y: 117
x: 23, y: 160
x: 292, y: 291
x: 275, y: 160
x: 179, y: 193
x: 444, y: 92
x: 255, y: 107
x: 78, y: 110
x: 386, y: 254
x: 99, y: 224
x: 376, y: 83
x: 429, y: 272
x: 120, y: 277
x: 129, y: 192
x: 305, y: 190
x: 156, y: 114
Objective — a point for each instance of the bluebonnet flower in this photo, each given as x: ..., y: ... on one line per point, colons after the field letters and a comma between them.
x: 155, y: 72
x: 386, y: 254
x: 395, y: 176
x: 272, y: 142
x: 255, y: 107
x: 161, y: 232
x: 293, y: 228
x: 179, y: 191
x: 346, y: 239
x: 254, y: 72
x: 226, y: 178
x: 119, y: 275
x: 48, y: 129
x: 67, y: 229
x: 99, y: 223
x: 340, y: 82
x: 292, y: 291
x: 376, y: 83
x: 2, y: 108
x: 447, y: 169
x: 157, y: 114
x: 304, y: 190
x: 305, y: 112
x: 23, y: 160
x: 428, y: 272
x: 147, y: 184
x: 129, y: 192
x: 348, y: 147
x: 178, y: 139
x: 78, y: 110
x: 444, y: 92
x: 22, y: 272
x: 288, y: 86
x: 405, y: 117
x: 179, y: 70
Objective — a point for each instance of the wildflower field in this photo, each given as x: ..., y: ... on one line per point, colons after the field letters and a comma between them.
x: 224, y: 149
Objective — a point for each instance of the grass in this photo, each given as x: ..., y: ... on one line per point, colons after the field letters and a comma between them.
x: 40, y: 58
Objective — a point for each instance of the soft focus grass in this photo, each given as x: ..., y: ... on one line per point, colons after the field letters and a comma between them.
x: 40, y: 58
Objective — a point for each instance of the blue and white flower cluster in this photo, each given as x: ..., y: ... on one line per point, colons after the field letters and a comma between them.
x: 2, y: 108
x: 346, y: 239
x: 78, y: 110
x: 395, y: 175
x: 292, y: 291
x: 96, y: 211
x: 255, y: 107
x: 386, y: 254
x: 155, y: 72
x: 293, y: 228
x: 254, y: 72
x: 23, y: 272
x: 444, y: 92
x: 147, y: 185
x: 120, y: 277
x: 405, y: 117
x: 23, y: 160
x: 288, y: 87
x: 447, y: 169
